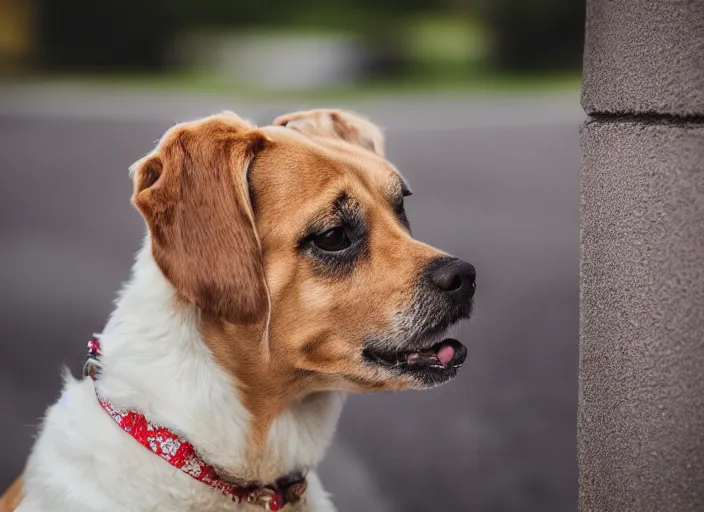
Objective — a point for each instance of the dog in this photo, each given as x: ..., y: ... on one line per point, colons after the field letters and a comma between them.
x: 278, y: 274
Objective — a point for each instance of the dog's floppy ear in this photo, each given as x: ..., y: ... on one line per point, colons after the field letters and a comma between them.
x: 338, y: 124
x: 193, y: 193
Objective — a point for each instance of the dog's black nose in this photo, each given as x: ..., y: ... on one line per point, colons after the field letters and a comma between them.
x: 455, y: 278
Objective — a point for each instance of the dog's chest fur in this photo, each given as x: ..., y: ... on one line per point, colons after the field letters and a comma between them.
x: 156, y: 363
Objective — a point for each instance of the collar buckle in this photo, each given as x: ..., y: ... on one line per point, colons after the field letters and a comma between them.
x: 267, y: 498
x: 92, y: 365
x: 181, y: 454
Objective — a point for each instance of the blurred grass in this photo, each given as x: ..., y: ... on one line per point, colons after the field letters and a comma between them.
x: 433, y: 52
x: 421, y: 83
x: 438, y: 43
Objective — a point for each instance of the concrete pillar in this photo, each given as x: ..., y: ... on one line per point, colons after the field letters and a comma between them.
x: 641, y: 390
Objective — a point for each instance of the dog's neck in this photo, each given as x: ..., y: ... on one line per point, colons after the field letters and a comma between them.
x: 155, y: 362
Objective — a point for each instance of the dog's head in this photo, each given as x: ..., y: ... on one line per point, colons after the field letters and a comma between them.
x: 293, y: 242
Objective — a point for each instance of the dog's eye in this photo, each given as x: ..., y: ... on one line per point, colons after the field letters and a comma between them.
x: 332, y: 240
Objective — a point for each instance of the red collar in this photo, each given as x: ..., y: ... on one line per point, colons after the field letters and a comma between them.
x: 182, y: 455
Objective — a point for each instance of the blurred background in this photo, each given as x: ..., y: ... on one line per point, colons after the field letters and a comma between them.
x: 479, y: 100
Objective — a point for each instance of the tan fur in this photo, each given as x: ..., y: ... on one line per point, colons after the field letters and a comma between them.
x: 283, y: 331
x: 317, y: 325
x: 12, y: 497
x: 335, y: 124
x: 193, y: 194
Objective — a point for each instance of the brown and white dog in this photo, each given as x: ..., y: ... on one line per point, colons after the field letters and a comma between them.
x: 278, y: 275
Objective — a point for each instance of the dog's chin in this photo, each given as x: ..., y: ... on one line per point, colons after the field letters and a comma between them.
x: 430, y: 366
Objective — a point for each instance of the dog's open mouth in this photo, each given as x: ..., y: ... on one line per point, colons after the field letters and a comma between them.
x: 449, y: 354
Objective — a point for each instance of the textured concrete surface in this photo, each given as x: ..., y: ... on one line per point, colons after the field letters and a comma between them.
x: 641, y: 418
x: 495, y: 182
x: 644, y: 56
x: 641, y: 392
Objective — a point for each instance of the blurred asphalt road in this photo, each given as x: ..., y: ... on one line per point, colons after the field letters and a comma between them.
x: 496, y: 182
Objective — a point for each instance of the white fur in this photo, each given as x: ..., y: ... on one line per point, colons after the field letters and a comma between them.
x: 155, y: 362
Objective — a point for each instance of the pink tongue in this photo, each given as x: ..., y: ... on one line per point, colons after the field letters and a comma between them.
x: 445, y: 354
